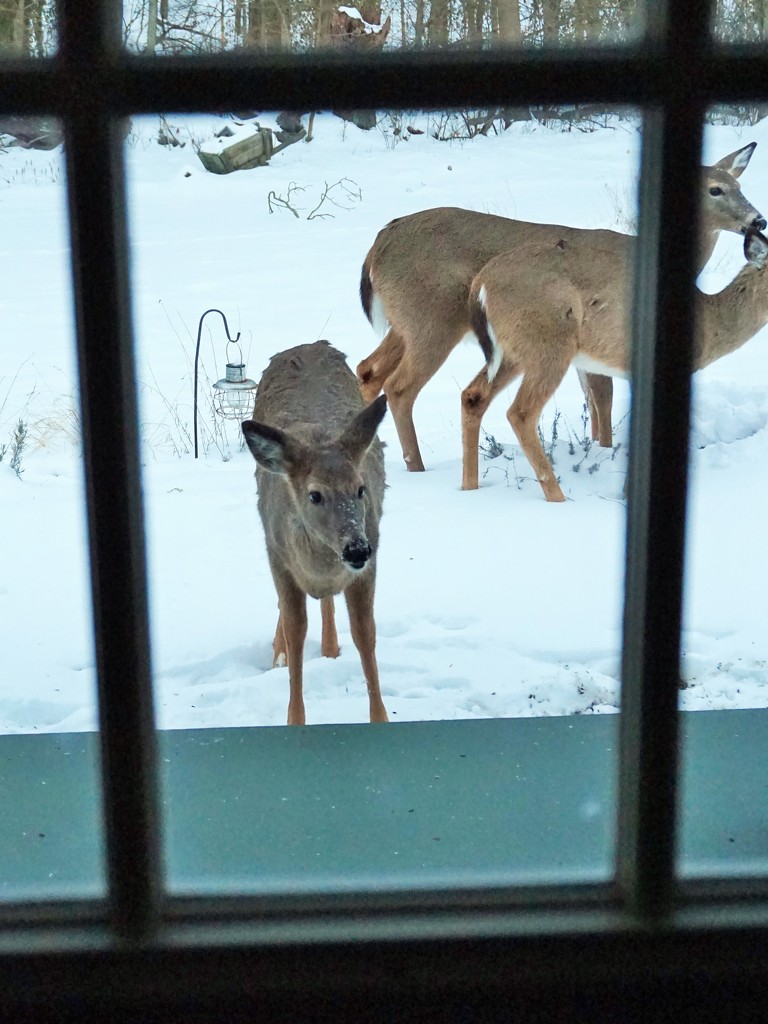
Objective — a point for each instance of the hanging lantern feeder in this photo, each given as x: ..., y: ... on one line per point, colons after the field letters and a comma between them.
x: 234, y: 395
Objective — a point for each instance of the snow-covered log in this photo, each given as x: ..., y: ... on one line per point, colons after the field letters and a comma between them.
x: 31, y: 132
x: 237, y: 147
x: 350, y: 27
x: 363, y: 31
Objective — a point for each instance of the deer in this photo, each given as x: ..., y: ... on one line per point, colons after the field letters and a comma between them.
x: 539, y: 310
x: 320, y: 483
x: 419, y: 270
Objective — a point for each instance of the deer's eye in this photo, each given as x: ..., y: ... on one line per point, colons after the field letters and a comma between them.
x: 715, y: 191
x: 360, y: 491
x: 315, y: 497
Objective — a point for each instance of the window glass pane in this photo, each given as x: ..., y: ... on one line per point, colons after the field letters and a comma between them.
x: 740, y: 21
x: 168, y: 28
x: 725, y: 652
x: 27, y: 29
x: 50, y: 832
x: 491, y: 605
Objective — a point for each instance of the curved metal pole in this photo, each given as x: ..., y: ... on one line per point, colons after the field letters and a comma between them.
x: 230, y: 340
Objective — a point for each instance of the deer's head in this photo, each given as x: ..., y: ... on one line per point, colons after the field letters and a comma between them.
x: 326, y: 481
x: 724, y: 206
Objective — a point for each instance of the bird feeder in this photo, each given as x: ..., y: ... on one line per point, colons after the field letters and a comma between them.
x: 234, y: 394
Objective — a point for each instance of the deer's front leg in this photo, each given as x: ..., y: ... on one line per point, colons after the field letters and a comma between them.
x: 293, y: 620
x: 359, y: 597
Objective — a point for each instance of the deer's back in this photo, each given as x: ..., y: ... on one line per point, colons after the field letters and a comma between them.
x: 309, y: 385
x: 532, y: 292
x: 428, y: 259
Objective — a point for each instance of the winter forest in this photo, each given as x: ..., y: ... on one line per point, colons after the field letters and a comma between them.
x: 171, y: 27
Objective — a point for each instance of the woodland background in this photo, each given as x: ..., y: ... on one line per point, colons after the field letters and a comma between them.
x: 171, y: 27
x: 191, y: 26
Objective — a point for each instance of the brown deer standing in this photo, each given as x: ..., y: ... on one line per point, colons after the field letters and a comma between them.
x: 320, y: 481
x: 540, y: 310
x: 420, y: 268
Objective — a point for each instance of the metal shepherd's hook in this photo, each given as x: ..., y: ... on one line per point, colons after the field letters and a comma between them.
x: 230, y: 340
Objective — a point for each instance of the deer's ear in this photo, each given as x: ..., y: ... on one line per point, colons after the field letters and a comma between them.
x: 736, y: 162
x: 756, y: 248
x: 269, y: 446
x: 359, y: 433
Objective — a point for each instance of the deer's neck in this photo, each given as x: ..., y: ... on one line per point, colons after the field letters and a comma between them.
x: 728, y: 319
x: 706, y: 246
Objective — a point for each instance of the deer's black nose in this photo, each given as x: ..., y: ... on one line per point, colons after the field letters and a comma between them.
x: 356, y: 555
x: 759, y: 223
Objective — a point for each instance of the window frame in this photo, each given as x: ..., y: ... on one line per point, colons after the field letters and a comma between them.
x: 646, y: 931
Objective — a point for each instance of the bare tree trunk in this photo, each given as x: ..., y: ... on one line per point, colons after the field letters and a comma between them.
x: 476, y: 30
x: 587, y: 16
x: 764, y: 25
x: 22, y: 27
x: 252, y: 31
x: 418, y: 28
x: 437, y: 26
x: 551, y: 12
x: 268, y: 23
x: 17, y: 40
x: 509, y: 21
x: 275, y: 24
x: 151, y: 46
x: 323, y: 11
x: 473, y: 20
x: 39, y: 26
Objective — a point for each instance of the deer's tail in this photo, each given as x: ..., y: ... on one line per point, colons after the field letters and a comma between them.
x: 478, y: 318
x: 366, y: 291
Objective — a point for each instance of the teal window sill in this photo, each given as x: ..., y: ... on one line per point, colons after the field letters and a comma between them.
x: 401, y: 807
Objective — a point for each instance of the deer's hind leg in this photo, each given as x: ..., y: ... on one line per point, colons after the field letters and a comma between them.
x: 374, y: 370
x: 598, y: 390
x: 475, y: 399
x: 536, y: 389
x: 421, y: 360
x: 329, y: 644
x: 359, y: 597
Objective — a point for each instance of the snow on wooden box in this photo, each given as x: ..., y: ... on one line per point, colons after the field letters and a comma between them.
x: 237, y: 148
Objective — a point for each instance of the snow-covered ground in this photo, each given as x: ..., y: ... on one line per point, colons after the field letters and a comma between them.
x: 489, y: 603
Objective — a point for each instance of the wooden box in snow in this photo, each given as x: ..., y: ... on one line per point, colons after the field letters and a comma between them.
x: 237, y: 148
